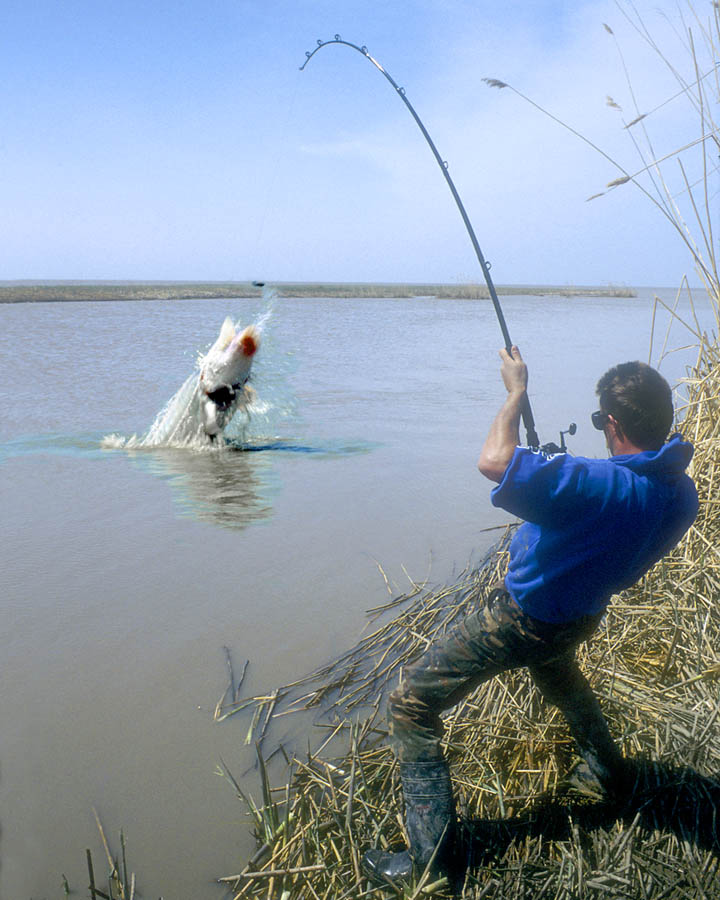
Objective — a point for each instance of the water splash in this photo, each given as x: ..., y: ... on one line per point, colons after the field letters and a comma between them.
x: 269, y: 296
x: 178, y: 425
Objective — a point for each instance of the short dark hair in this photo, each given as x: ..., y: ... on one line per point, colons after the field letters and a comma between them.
x: 640, y: 400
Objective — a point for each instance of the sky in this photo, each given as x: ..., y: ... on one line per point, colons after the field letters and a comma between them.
x: 180, y: 140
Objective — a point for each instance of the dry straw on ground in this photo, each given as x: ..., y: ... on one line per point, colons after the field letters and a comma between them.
x: 531, y: 833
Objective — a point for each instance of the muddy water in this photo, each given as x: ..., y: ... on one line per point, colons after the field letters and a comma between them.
x: 125, y: 573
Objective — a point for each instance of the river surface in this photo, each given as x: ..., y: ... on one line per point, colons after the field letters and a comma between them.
x: 125, y: 572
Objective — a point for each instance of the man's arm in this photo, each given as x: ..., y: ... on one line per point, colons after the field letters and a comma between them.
x: 504, y: 434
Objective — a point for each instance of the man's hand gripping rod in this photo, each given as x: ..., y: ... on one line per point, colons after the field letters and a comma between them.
x: 527, y: 416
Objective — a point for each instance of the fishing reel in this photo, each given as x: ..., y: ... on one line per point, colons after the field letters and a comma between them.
x: 551, y: 447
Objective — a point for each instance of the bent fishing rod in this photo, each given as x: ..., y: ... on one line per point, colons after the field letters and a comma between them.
x: 527, y: 416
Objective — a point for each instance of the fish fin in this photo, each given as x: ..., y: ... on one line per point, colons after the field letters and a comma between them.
x: 227, y: 333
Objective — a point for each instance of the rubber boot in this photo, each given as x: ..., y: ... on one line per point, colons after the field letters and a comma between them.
x: 568, y: 689
x: 430, y: 824
x: 614, y: 775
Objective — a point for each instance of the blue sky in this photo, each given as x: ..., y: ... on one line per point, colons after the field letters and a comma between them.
x: 179, y: 140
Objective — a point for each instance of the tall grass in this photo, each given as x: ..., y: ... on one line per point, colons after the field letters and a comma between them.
x: 677, y: 183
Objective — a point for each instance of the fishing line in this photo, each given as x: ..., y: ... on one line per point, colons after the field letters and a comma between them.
x: 527, y: 416
x: 271, y: 192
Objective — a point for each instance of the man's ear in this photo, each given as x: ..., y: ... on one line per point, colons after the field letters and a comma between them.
x: 618, y: 428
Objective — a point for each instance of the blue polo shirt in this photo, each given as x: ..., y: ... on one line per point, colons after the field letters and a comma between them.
x: 592, y: 526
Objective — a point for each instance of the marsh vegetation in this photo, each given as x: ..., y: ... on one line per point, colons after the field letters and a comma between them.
x: 59, y: 292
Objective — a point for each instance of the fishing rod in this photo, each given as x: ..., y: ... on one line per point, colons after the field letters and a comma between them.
x: 526, y: 411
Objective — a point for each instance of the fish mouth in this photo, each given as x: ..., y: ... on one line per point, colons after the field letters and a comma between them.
x: 224, y: 396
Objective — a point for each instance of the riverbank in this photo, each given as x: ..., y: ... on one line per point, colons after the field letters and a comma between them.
x: 73, y: 291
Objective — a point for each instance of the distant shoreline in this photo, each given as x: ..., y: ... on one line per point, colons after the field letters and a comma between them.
x: 78, y: 291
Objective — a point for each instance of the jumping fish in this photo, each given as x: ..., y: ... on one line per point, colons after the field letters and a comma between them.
x: 224, y: 374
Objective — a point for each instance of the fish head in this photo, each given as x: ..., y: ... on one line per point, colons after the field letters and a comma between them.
x: 223, y: 374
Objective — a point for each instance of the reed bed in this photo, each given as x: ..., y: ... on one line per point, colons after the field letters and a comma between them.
x: 533, y: 827
x: 63, y: 291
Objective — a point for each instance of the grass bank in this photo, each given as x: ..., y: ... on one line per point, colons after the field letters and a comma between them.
x: 66, y: 291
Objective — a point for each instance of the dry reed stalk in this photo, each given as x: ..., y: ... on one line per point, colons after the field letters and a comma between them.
x: 119, y: 885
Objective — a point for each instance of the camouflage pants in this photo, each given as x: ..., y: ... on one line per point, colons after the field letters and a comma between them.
x: 493, y: 639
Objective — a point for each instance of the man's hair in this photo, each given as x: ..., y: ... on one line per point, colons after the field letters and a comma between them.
x: 640, y: 400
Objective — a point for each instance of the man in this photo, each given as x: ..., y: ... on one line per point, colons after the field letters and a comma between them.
x: 592, y: 528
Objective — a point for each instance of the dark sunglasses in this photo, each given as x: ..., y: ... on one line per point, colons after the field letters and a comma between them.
x: 599, y: 419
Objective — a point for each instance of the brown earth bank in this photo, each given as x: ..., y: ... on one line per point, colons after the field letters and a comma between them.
x: 65, y: 291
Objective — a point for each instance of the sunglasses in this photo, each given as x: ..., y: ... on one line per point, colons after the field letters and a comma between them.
x: 599, y: 419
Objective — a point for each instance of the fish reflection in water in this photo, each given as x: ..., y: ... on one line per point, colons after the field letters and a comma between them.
x: 224, y: 488
x: 233, y: 486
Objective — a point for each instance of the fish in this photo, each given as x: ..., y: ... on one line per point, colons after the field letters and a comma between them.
x: 197, y: 415
x: 224, y: 372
